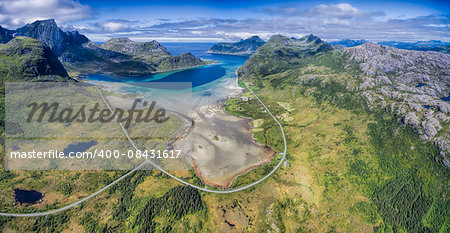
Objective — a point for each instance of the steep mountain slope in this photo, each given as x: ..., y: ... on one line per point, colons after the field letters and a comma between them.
x: 287, y: 52
x: 78, y: 54
x: 49, y: 33
x: 5, y: 35
x: 119, y: 55
x: 152, y: 53
x: 184, y: 60
x: 127, y: 46
x: 24, y: 59
x: 243, y: 47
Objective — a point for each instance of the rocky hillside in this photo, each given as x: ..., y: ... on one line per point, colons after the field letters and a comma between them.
x: 243, y: 47
x: 27, y: 59
x: 119, y: 55
x: 281, y: 53
x: 152, y: 53
x: 410, y: 85
x: 184, y: 60
x: 127, y: 46
x: 49, y: 33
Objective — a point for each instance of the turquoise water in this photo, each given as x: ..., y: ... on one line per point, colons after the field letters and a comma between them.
x: 201, y: 77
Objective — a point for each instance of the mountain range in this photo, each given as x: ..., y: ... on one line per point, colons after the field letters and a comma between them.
x: 412, y: 85
x: 81, y: 56
x: 369, y: 123
x: 431, y: 45
x: 348, y: 42
x: 243, y: 47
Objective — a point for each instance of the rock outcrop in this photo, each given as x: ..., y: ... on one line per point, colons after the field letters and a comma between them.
x: 412, y: 84
x: 45, y: 31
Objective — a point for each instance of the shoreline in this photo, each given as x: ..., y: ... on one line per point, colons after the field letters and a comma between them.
x: 81, y: 76
x: 231, y: 54
x: 221, y: 103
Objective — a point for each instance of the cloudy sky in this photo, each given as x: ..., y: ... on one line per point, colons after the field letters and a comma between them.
x: 174, y: 20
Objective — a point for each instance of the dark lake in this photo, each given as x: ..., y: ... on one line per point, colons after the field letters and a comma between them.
x: 79, y: 147
x: 447, y: 98
x: 27, y: 196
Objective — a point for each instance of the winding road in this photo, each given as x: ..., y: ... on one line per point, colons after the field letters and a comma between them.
x: 162, y: 170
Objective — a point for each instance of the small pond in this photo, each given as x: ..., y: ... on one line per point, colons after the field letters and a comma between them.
x: 27, y: 196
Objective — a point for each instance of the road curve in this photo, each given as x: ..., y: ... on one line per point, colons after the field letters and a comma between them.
x: 164, y: 171
x: 75, y: 203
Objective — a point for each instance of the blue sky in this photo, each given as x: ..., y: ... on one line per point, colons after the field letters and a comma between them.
x: 172, y: 20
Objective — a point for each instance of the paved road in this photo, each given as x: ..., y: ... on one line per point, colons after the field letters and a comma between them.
x: 75, y: 203
x: 164, y: 171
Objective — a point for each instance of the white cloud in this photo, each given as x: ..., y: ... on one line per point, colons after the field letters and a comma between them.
x: 330, y: 12
x: 112, y: 26
x: 342, y: 10
x: 330, y: 22
x: 16, y: 13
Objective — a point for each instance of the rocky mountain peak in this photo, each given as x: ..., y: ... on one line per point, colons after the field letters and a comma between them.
x: 312, y: 38
x: 75, y: 38
x: 127, y: 46
x: 278, y: 39
x: 119, y: 40
x: 243, y: 47
x: 46, y: 31
x: 255, y: 38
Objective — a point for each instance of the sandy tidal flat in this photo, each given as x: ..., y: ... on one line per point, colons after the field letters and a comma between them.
x: 220, y: 147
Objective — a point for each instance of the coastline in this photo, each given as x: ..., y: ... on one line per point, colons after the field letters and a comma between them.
x: 227, y: 181
x: 80, y: 76
x: 231, y: 54
x: 211, y: 62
